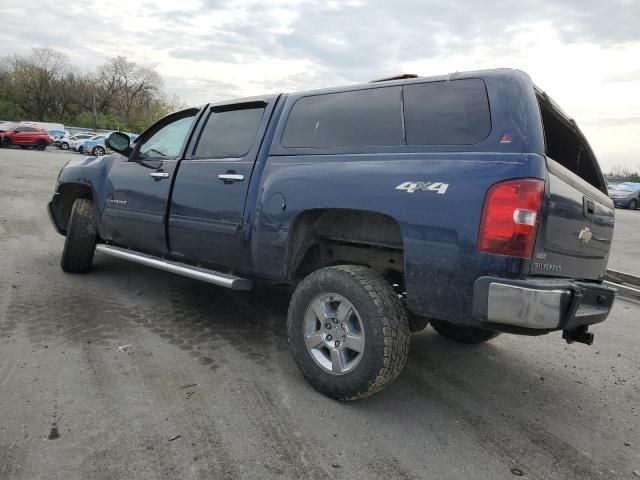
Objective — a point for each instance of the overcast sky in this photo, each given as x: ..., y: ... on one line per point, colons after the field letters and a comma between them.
x: 585, y: 54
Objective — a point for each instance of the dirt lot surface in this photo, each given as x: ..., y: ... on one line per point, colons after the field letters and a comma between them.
x: 625, y: 256
x: 129, y: 372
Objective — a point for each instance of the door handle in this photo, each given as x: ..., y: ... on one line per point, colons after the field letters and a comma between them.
x: 231, y: 177
x: 159, y: 175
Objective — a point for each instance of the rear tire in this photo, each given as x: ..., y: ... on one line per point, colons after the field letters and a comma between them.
x: 64, y: 146
x: 463, y: 334
x: 82, y: 234
x: 633, y: 204
x: 372, y: 330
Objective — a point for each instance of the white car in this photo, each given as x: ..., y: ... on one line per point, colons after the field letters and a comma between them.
x: 74, y: 141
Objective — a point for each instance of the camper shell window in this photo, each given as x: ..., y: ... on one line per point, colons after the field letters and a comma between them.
x: 565, y: 144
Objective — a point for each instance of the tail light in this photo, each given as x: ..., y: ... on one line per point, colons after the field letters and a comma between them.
x: 510, y: 218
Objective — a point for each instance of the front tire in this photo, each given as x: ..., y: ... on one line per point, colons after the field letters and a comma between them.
x: 98, y: 151
x: 633, y: 204
x: 348, y: 331
x: 82, y: 235
x: 64, y: 146
x: 41, y: 145
x: 463, y: 334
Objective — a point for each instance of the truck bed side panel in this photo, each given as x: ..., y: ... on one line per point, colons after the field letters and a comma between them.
x: 439, y: 230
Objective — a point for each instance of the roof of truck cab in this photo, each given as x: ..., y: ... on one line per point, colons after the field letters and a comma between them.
x: 492, y: 73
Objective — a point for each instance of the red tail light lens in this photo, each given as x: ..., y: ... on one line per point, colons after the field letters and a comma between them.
x: 510, y: 218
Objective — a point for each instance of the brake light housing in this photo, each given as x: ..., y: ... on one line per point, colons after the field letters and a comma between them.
x: 510, y: 217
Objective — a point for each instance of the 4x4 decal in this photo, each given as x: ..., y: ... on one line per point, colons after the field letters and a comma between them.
x: 411, y: 187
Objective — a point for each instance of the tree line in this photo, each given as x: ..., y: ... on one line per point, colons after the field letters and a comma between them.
x: 42, y: 85
x: 621, y: 173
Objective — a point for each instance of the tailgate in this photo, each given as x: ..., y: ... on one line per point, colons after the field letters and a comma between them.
x: 575, y: 234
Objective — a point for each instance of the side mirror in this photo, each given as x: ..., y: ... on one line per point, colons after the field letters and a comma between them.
x: 120, y: 143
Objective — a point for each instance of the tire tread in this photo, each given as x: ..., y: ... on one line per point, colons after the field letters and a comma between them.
x: 80, y: 243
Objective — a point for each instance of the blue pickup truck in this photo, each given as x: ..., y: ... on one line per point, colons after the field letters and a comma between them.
x: 469, y: 201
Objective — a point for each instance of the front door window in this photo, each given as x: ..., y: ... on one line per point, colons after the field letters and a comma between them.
x: 166, y: 142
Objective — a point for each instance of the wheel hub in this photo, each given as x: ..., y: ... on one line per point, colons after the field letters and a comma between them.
x: 334, y: 336
x: 334, y: 333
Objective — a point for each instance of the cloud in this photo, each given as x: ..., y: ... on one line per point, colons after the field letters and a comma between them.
x: 201, y: 90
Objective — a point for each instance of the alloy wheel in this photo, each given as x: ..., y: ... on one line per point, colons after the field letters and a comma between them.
x: 334, y: 334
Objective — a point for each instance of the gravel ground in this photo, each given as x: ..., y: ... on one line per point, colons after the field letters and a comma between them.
x: 625, y: 256
x: 130, y: 372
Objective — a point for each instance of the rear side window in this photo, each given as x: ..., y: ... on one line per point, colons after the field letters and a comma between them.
x: 229, y: 134
x: 568, y: 148
x: 363, y: 118
x: 447, y: 113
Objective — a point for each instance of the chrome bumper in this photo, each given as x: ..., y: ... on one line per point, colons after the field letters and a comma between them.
x: 541, y: 304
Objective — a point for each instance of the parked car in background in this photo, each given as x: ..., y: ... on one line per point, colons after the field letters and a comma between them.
x: 57, y: 136
x: 74, y: 140
x: 25, y: 136
x: 625, y: 195
x: 45, y: 125
x: 75, y: 144
x: 95, y: 145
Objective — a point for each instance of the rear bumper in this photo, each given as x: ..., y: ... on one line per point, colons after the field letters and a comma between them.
x: 540, y: 304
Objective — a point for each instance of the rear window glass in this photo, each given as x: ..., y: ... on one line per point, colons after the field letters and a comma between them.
x: 567, y: 147
x: 229, y: 134
x: 360, y: 118
x: 447, y: 113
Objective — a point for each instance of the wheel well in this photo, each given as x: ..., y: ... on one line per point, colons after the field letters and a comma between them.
x: 324, y: 237
x: 63, y: 202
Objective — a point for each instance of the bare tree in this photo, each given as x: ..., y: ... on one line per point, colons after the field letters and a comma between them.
x: 126, y: 86
x: 36, y: 77
x: 44, y: 86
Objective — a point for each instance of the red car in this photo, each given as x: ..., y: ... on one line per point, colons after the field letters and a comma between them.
x: 25, y: 136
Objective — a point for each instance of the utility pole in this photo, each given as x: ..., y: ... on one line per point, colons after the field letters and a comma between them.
x: 95, y: 121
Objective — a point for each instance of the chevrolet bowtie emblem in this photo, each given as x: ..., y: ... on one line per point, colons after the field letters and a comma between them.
x: 585, y: 235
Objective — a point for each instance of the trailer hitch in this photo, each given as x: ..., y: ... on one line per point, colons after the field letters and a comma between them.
x: 580, y: 335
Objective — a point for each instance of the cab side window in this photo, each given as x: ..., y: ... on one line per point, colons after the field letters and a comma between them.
x: 361, y: 118
x: 455, y: 112
x: 229, y: 133
x: 167, y: 141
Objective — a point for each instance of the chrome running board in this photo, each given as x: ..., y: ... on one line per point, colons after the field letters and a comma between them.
x: 209, y: 276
